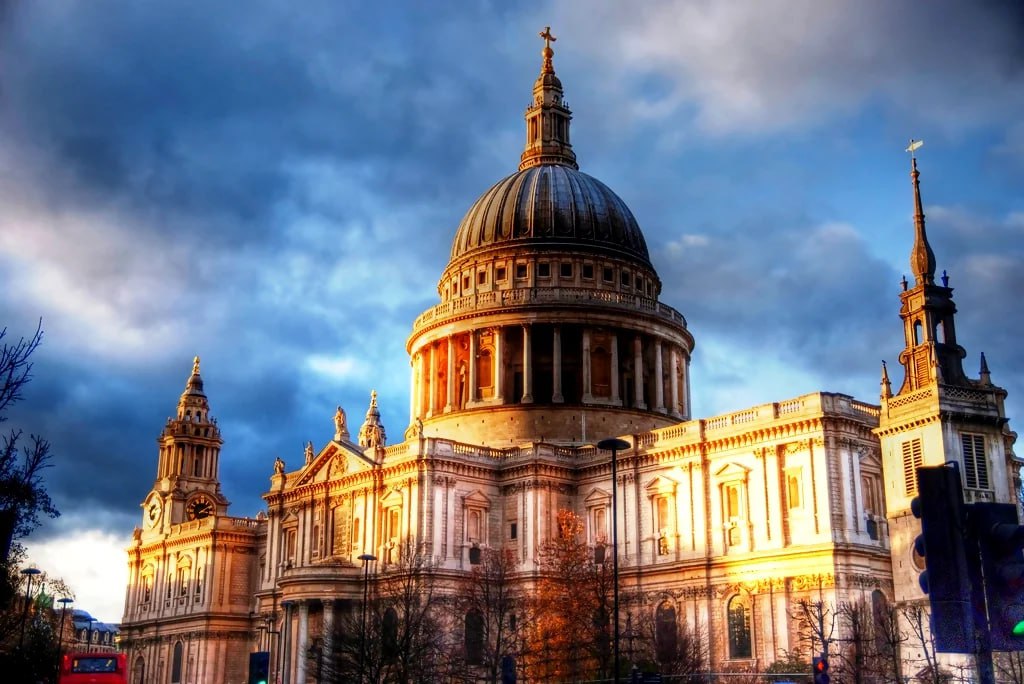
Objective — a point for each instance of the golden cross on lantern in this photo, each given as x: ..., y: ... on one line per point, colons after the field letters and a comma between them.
x: 547, y: 36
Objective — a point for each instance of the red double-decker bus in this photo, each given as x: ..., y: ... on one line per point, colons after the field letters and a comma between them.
x: 94, y: 668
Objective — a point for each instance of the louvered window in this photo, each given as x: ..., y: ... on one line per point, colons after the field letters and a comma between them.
x: 911, y: 462
x: 921, y: 363
x: 975, y: 463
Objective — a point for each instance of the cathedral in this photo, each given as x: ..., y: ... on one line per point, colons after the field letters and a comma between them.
x: 551, y: 335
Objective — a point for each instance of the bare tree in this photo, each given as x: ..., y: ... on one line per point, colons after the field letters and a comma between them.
x: 675, y: 648
x: 23, y: 496
x: 817, y: 623
x: 403, y: 640
x: 487, y: 604
x: 917, y: 620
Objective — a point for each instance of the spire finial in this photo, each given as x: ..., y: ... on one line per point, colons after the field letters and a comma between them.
x: 922, y: 259
x: 986, y: 376
x: 195, y: 366
x: 547, y: 53
x: 886, y: 385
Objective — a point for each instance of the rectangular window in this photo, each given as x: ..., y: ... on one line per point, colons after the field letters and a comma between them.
x: 639, y: 284
x: 481, y: 277
x: 543, y: 270
x: 588, y: 271
x: 912, y: 459
x: 607, y: 274
x: 565, y: 270
x: 520, y: 271
x: 975, y: 463
x: 513, y: 531
x: 624, y: 279
x: 793, y: 488
x: 465, y: 283
x: 500, y: 274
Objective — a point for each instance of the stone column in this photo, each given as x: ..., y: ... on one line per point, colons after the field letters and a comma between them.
x: 527, y: 367
x: 638, y: 373
x: 431, y: 382
x: 448, y: 405
x: 685, y: 410
x: 556, y: 362
x: 616, y: 399
x: 587, y: 394
x: 674, y: 386
x: 301, y: 645
x: 659, y: 383
x: 285, y: 644
x: 499, y: 367
x: 414, y: 389
x: 328, y: 640
x: 472, y: 368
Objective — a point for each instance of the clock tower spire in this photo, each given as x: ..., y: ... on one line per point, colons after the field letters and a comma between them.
x: 187, y: 485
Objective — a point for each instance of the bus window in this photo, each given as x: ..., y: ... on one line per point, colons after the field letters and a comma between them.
x: 94, y: 667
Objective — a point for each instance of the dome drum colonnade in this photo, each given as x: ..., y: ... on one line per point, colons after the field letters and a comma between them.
x: 548, y: 308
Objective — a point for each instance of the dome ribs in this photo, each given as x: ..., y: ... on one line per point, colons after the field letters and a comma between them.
x: 550, y: 203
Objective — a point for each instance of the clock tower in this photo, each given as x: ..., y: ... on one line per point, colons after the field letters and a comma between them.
x: 186, y: 486
x: 192, y: 567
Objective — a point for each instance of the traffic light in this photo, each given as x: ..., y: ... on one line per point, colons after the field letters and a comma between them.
x: 819, y: 665
x: 259, y: 667
x: 943, y: 543
x: 1000, y: 540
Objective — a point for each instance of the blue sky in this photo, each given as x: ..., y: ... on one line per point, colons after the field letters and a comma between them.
x: 276, y: 190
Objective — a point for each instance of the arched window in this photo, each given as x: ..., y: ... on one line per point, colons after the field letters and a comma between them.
x: 884, y: 620
x: 739, y: 627
x: 917, y: 332
x: 474, y: 637
x: 601, y: 372
x: 389, y: 634
x: 147, y: 583
x: 139, y: 670
x: 176, y: 663
x: 666, y: 633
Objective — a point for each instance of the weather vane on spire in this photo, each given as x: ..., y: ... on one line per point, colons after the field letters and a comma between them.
x: 912, y: 147
x: 548, y: 37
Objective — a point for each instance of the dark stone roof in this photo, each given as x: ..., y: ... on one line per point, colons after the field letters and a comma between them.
x: 551, y: 206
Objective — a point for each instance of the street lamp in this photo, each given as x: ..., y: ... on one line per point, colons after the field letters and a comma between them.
x: 29, y: 573
x: 88, y: 647
x: 367, y: 558
x: 60, y: 634
x: 615, y: 445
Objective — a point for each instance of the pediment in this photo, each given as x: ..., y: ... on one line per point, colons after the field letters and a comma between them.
x: 871, y: 461
x: 335, y: 458
x: 597, y: 496
x: 732, y: 471
x: 477, y: 500
x: 392, y: 498
x: 661, y: 483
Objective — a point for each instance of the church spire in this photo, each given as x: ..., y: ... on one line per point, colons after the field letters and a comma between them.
x: 886, y: 385
x: 547, y: 117
x: 922, y: 259
x: 193, y: 404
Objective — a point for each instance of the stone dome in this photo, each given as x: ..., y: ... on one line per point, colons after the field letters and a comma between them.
x: 551, y: 205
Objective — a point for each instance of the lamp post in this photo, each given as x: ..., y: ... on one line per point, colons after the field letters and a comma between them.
x: 88, y: 647
x: 615, y: 445
x: 29, y: 573
x: 367, y: 558
x: 60, y: 633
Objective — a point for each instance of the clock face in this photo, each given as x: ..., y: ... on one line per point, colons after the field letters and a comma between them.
x: 153, y: 513
x: 199, y: 507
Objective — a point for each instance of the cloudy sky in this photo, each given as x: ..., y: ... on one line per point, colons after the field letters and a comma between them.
x: 274, y: 187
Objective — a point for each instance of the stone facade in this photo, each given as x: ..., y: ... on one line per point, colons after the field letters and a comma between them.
x: 549, y: 336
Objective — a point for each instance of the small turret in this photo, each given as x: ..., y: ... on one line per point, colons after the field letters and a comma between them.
x: 984, y: 376
x: 886, y: 392
x: 371, y: 432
